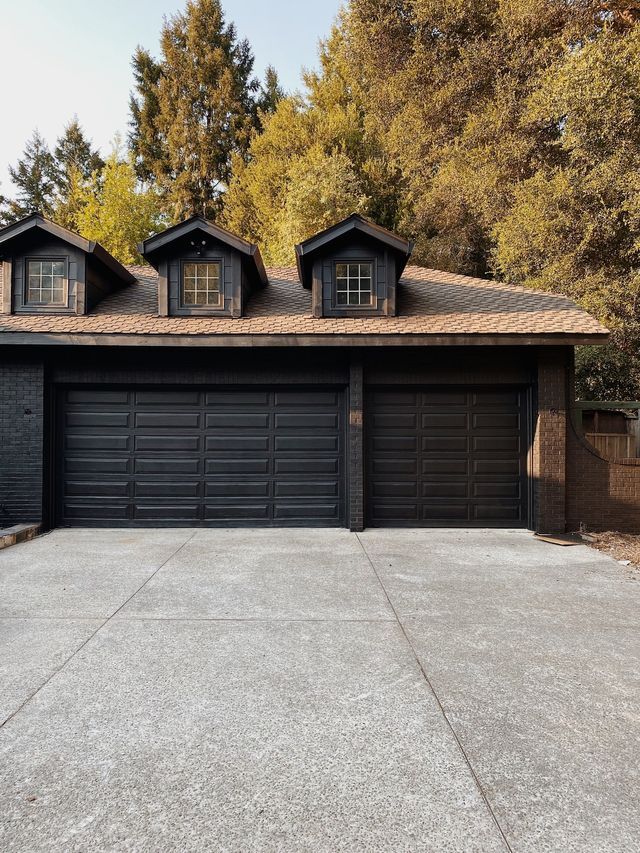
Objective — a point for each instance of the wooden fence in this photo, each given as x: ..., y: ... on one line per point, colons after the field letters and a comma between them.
x: 613, y: 445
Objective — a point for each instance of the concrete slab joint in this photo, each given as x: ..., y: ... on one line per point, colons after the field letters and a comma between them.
x: 314, y: 690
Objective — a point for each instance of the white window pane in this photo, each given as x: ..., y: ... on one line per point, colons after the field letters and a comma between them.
x: 189, y: 270
x: 341, y: 270
x: 58, y: 268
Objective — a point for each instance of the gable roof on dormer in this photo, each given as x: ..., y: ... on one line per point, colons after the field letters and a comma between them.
x: 19, y: 231
x: 353, y: 224
x: 155, y: 248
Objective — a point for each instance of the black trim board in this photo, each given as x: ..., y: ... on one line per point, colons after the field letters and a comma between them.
x: 10, y: 338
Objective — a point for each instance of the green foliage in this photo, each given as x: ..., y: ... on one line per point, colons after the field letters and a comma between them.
x: 144, y: 139
x: 76, y: 161
x: 35, y: 177
x: 574, y: 225
x: 73, y: 152
x: 501, y: 135
x: 52, y: 183
x: 606, y: 373
x: 313, y: 163
x: 271, y: 92
x: 116, y: 212
x: 194, y: 109
x: 513, y: 124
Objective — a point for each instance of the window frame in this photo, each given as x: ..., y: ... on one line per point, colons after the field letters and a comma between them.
x: 201, y: 308
x: 372, y: 306
x: 39, y: 259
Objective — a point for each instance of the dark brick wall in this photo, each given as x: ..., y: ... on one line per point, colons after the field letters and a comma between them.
x: 21, y: 442
x: 602, y: 495
x: 549, y: 442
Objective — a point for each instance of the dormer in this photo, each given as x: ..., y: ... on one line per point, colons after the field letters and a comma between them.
x: 47, y: 269
x: 203, y: 270
x: 353, y: 268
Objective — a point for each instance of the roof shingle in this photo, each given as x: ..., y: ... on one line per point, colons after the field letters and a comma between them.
x: 430, y: 302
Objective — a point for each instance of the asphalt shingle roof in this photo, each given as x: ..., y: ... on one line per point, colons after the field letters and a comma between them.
x: 430, y: 302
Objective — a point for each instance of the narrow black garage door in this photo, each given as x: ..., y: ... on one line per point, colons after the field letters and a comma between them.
x: 446, y: 457
x: 208, y: 457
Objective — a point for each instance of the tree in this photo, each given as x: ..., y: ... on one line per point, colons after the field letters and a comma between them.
x: 271, y: 92
x: 194, y: 109
x: 75, y: 161
x: 446, y: 89
x: 312, y: 164
x: 574, y: 225
x: 323, y: 188
x: 513, y: 127
x: 73, y: 151
x: 144, y: 135
x: 34, y: 177
x: 116, y: 211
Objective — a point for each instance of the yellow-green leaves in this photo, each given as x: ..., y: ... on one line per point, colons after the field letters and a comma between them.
x: 116, y: 212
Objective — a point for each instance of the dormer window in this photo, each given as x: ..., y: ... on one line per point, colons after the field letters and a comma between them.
x: 47, y: 269
x: 354, y: 284
x: 46, y: 281
x: 352, y: 269
x: 203, y: 270
x: 201, y: 284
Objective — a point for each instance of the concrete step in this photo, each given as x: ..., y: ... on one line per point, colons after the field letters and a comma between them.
x: 18, y: 533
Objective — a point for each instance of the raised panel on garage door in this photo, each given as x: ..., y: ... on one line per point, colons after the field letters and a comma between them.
x: 213, y: 457
x: 446, y: 457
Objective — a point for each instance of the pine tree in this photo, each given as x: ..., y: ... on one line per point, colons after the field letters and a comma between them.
x: 35, y: 177
x: 144, y: 136
x: 193, y: 110
x: 76, y: 161
x: 73, y: 151
x: 271, y: 92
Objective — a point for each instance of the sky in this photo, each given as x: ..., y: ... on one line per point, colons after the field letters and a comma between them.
x: 72, y: 57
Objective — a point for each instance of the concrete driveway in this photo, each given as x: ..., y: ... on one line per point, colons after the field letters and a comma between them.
x: 262, y: 690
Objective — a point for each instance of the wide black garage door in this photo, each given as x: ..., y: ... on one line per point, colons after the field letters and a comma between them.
x: 446, y: 457
x: 211, y: 457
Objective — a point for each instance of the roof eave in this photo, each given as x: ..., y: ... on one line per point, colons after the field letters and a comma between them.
x: 36, y: 220
x: 114, y: 266
x: 157, y: 242
x: 307, y: 248
x: 413, y: 339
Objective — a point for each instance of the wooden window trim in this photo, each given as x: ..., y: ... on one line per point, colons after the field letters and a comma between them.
x: 201, y: 309
x: 373, y: 306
